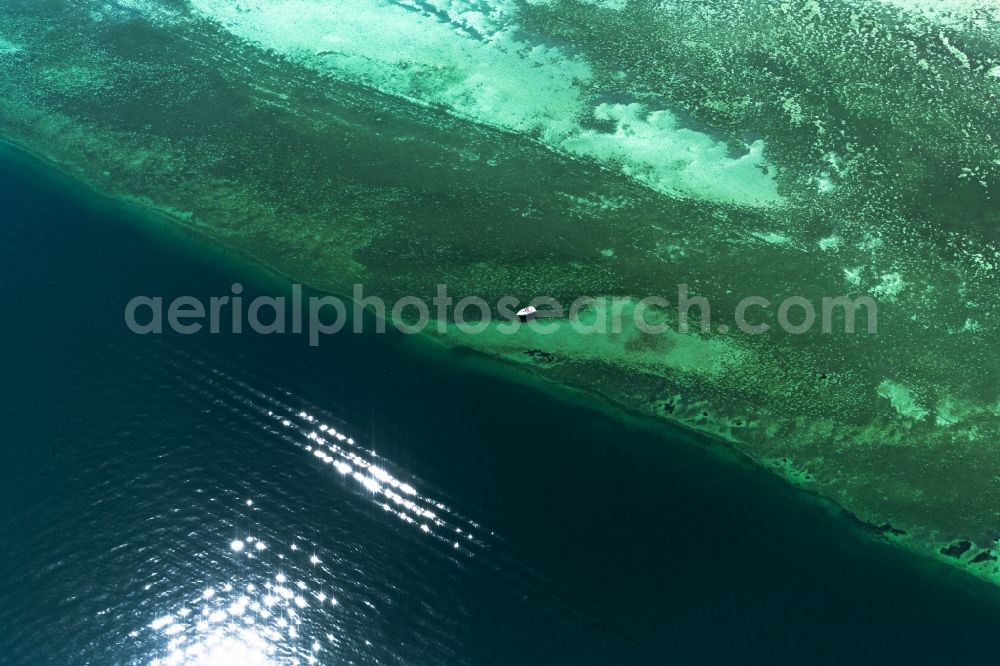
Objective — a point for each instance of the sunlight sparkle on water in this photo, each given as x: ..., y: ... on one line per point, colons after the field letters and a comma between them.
x: 243, y: 623
x: 261, y: 615
x: 354, y: 462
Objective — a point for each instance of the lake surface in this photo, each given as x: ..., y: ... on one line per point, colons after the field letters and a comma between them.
x: 187, y: 500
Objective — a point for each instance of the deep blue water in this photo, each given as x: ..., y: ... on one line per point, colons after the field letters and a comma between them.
x: 162, y: 498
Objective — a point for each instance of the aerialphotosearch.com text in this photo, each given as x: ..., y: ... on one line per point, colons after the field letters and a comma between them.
x: 318, y: 316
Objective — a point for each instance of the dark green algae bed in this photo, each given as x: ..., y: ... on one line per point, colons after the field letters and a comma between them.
x: 607, y: 149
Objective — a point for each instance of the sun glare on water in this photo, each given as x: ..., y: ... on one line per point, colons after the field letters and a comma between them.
x: 275, y: 602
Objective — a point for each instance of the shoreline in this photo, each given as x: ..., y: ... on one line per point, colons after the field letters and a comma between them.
x: 496, y: 365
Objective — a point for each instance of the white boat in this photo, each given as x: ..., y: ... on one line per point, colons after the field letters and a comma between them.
x: 526, y: 314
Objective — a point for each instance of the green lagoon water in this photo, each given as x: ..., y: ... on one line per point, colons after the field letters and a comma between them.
x: 163, y: 503
x: 610, y: 148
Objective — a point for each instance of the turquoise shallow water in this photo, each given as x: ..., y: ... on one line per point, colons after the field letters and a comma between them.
x: 163, y: 501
